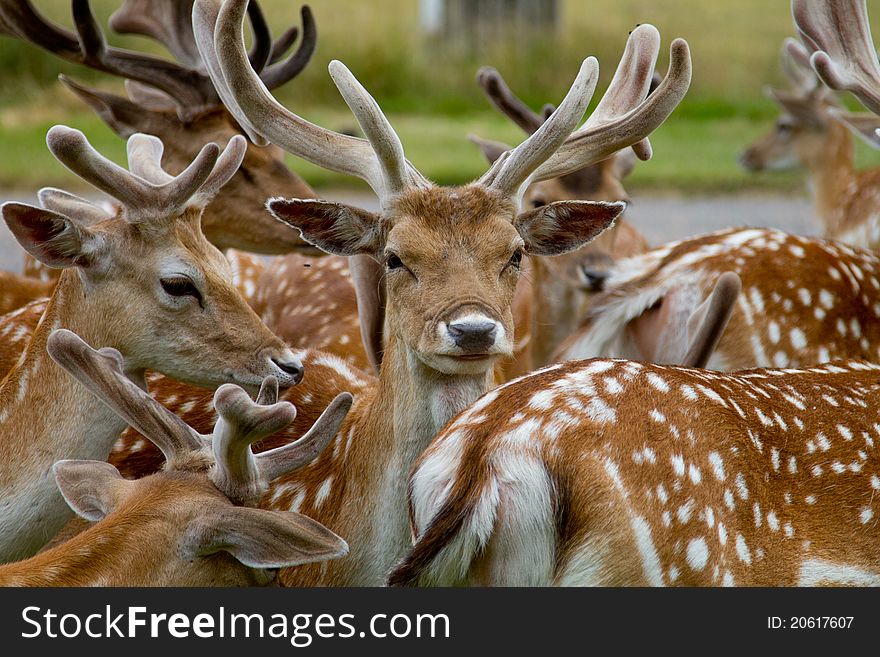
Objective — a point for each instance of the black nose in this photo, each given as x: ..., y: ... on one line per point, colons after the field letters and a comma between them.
x: 292, y: 368
x: 473, y: 337
x: 594, y: 279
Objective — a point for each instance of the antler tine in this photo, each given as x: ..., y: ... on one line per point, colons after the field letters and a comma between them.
x: 221, y: 43
x: 240, y: 423
x: 85, y: 212
x: 261, y: 46
x: 796, y: 66
x: 280, y: 461
x: 102, y: 373
x: 147, y: 193
x: 20, y: 19
x: 283, y: 43
x: 596, y: 141
x: 844, y: 57
x: 281, y: 72
x: 506, y: 101
x: 510, y: 171
x: 168, y: 22
x: 190, y: 88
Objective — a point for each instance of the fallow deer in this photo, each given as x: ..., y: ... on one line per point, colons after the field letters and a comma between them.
x: 177, y: 102
x: 190, y: 113
x: 813, y: 131
x: 614, y: 472
x: 451, y: 256
x: 190, y: 524
x: 554, y: 293
x: 145, y: 282
x: 804, y: 301
x: 17, y: 291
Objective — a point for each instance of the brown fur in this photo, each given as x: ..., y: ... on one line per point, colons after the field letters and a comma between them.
x: 752, y: 478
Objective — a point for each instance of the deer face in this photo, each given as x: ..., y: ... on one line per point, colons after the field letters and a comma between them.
x: 452, y: 259
x: 799, y: 136
x: 178, y: 529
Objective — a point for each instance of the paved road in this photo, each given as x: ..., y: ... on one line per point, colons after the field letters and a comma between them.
x: 661, y: 218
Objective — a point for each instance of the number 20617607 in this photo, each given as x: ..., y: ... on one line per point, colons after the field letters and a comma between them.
x: 809, y: 622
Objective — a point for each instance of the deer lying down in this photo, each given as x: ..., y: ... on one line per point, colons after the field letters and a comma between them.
x: 813, y: 131
x: 804, y: 301
x: 614, y: 472
x: 188, y: 525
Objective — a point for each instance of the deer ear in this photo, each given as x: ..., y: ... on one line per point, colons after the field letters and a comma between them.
x: 91, y: 488
x: 333, y: 227
x: 52, y: 238
x: 491, y: 150
x: 263, y: 539
x: 564, y: 226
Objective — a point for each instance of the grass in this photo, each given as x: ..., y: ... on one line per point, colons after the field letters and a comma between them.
x: 427, y: 86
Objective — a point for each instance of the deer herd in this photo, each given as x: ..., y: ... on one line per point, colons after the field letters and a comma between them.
x: 493, y: 384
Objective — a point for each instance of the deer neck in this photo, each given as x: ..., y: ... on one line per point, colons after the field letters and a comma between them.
x: 412, y: 403
x: 832, y: 177
x: 45, y: 416
x: 555, y: 314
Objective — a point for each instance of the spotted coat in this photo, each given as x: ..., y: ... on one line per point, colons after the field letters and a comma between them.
x: 614, y: 472
x: 803, y: 300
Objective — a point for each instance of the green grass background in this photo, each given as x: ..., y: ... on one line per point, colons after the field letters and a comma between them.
x: 426, y: 86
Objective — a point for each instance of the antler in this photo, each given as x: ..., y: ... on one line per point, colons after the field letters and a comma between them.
x: 169, y: 22
x: 237, y: 471
x: 625, y: 116
x: 507, y: 102
x: 147, y: 192
x: 102, y: 373
x: 844, y: 57
x: 244, y: 476
x: 796, y: 66
x: 379, y: 161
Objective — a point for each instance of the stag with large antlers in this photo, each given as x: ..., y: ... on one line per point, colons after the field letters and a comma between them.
x: 287, y: 293
x: 813, y: 131
x: 145, y: 282
x: 556, y: 292
x: 451, y: 257
x: 177, y: 102
x: 188, y: 525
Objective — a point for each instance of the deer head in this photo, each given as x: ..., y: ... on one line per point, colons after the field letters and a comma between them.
x: 190, y: 522
x: 451, y: 255
x: 177, y: 102
x: 147, y: 276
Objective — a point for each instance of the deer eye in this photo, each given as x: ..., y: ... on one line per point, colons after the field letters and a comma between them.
x: 538, y: 202
x: 180, y: 286
x: 393, y: 262
x: 516, y: 259
x: 783, y: 128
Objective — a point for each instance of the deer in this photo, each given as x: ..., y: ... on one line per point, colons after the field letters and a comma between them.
x: 612, y: 472
x: 451, y: 257
x: 555, y: 292
x: 145, y: 282
x: 177, y: 102
x: 814, y: 131
x: 193, y: 523
x: 804, y: 301
x: 17, y: 291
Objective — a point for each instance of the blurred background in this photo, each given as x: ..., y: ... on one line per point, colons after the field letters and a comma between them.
x: 419, y: 59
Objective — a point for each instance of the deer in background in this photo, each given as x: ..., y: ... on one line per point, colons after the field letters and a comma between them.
x: 804, y: 301
x: 451, y: 257
x: 145, y: 282
x: 190, y: 524
x: 555, y: 292
x: 813, y: 131
x: 614, y: 472
x: 177, y: 102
